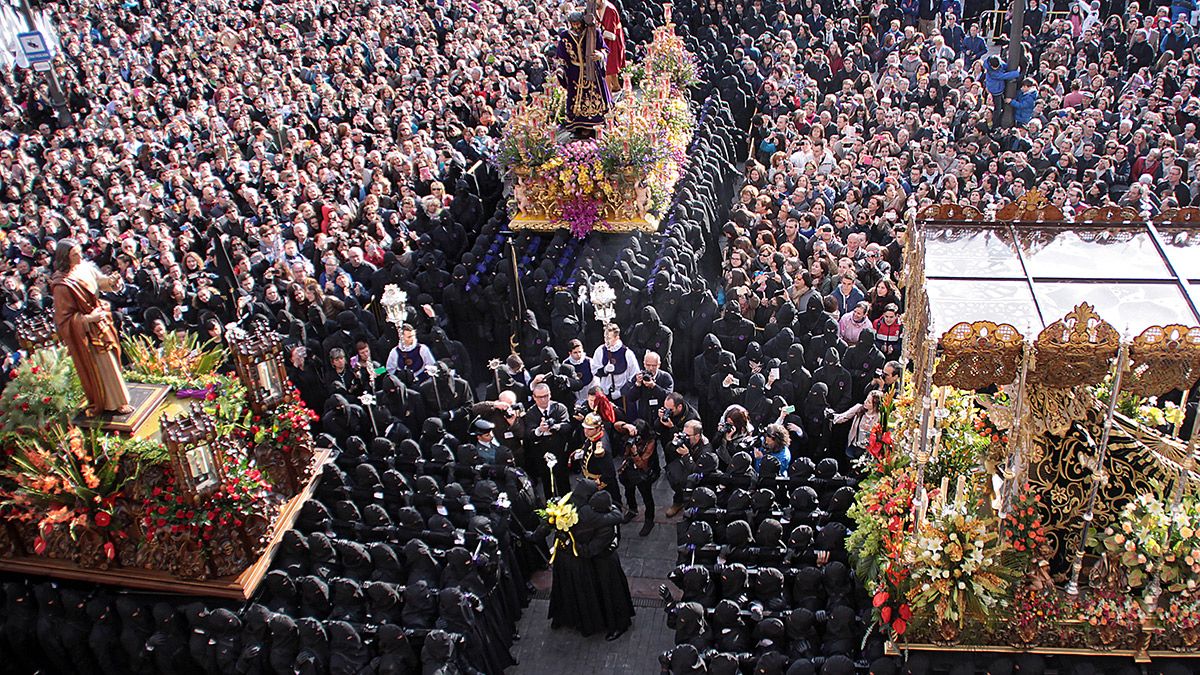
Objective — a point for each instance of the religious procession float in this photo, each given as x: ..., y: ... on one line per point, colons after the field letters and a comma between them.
x: 1028, y: 489
x: 186, y: 487
x: 575, y: 159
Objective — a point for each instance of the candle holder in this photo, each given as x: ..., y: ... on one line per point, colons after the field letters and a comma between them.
x: 394, y: 302
x: 604, y: 300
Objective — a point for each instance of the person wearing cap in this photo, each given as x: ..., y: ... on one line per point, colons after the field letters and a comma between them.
x: 595, y: 458
x: 485, y: 440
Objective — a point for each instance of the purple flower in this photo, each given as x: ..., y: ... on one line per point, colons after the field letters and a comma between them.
x: 582, y: 215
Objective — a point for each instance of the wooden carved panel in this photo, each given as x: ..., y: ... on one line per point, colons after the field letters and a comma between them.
x: 1187, y: 214
x: 1075, y: 350
x: 1108, y: 214
x: 1030, y: 207
x: 1163, y: 358
x: 950, y: 211
x: 978, y: 355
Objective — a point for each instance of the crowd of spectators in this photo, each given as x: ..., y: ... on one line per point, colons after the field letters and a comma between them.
x: 284, y: 161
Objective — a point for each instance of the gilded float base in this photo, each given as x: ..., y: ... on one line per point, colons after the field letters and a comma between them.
x: 1138, y: 655
x: 540, y: 222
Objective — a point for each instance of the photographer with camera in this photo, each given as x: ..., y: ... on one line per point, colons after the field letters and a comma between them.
x: 734, y: 434
x: 681, y: 453
x: 507, y: 417
x: 775, y: 442
x: 639, y: 469
x: 642, y: 396
x: 674, y: 413
x: 545, y: 433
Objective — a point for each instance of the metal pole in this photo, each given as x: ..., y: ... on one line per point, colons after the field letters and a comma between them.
x: 1007, y: 119
x: 57, y: 98
x: 1101, y: 456
x: 1012, y: 468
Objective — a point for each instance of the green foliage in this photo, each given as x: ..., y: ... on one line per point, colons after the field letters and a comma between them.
x: 44, y: 391
x: 960, y: 453
x: 180, y: 362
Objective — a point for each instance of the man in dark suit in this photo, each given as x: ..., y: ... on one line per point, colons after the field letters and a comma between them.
x: 642, y: 396
x: 546, y: 432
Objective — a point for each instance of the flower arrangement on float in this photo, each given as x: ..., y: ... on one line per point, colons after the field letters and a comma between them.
x: 666, y: 54
x: 946, y: 559
x: 626, y: 173
x: 102, y: 500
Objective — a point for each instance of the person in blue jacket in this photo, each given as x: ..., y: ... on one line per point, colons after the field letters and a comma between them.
x: 996, y: 77
x: 775, y: 444
x: 973, y: 46
x: 1024, y: 103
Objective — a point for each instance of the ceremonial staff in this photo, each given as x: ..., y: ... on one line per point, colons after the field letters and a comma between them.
x: 589, y: 42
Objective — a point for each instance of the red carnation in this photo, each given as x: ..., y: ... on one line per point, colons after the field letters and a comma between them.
x: 46, y: 399
x: 34, y: 370
x: 12, y: 375
x: 103, y: 519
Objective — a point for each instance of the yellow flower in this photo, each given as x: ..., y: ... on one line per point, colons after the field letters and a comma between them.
x: 954, y: 552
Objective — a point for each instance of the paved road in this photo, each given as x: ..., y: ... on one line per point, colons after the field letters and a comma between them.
x: 647, y: 561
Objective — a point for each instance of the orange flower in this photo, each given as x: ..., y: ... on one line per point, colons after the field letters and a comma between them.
x: 89, y: 476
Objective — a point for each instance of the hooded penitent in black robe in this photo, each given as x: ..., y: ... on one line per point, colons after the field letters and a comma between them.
x: 574, y: 596
x: 599, y: 534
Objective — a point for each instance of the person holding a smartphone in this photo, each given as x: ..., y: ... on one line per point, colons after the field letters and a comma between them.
x: 862, y: 417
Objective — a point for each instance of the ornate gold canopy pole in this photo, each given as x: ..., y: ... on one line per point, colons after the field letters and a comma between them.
x: 1013, y: 470
x: 1097, y: 475
x: 921, y: 498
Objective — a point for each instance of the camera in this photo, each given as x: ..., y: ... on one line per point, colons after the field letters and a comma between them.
x: 679, y: 439
x: 581, y: 409
x: 724, y: 428
x: 515, y: 410
x: 645, y: 376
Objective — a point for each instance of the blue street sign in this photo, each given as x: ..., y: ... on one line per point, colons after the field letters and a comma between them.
x: 33, y: 46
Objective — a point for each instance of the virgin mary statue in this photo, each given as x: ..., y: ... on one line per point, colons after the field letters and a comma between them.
x: 85, y: 325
